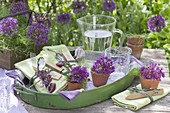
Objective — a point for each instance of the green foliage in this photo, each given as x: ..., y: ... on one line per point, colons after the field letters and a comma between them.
x: 131, y: 16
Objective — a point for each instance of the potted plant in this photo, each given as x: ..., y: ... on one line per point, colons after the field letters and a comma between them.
x: 77, y: 78
x: 150, y: 75
x: 101, y: 70
x: 136, y: 43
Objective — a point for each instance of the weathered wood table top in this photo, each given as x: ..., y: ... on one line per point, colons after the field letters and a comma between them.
x: 160, y: 106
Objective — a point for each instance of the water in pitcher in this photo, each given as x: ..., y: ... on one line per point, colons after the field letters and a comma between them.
x: 97, y: 40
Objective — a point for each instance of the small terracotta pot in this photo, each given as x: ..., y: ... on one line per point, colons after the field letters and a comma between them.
x: 136, y: 50
x: 99, y: 79
x: 135, y: 40
x: 148, y: 83
x: 74, y: 86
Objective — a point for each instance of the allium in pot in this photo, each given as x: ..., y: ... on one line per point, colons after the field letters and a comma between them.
x: 101, y: 70
x: 78, y: 78
x: 150, y: 75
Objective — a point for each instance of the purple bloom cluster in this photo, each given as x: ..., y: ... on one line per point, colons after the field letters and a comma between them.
x: 156, y: 23
x: 109, y: 5
x: 78, y: 74
x: 103, y: 65
x: 40, y: 18
x: 44, y: 77
x: 152, y: 71
x: 64, y: 18
x: 38, y: 33
x: 78, y: 6
x: 18, y: 7
x: 8, y: 26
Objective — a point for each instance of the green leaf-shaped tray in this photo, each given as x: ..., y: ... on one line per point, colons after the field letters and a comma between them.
x: 85, y: 98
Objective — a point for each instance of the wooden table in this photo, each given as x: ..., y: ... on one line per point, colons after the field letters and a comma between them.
x: 162, y: 105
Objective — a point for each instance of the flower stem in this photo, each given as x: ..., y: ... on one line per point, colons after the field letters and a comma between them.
x: 34, y: 84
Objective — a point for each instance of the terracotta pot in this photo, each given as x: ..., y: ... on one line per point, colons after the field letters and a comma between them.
x: 99, y: 79
x: 148, y: 83
x: 135, y: 40
x: 74, y: 86
x: 136, y: 50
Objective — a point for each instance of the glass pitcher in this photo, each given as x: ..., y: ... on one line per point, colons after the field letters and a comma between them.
x: 98, y: 31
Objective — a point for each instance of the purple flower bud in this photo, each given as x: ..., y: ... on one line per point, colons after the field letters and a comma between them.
x: 18, y: 7
x: 64, y: 18
x: 40, y: 18
x: 78, y: 74
x: 156, y: 23
x: 78, y: 6
x: 109, y: 5
x: 44, y: 77
x: 8, y: 26
x: 38, y: 33
x: 103, y: 65
x: 152, y: 71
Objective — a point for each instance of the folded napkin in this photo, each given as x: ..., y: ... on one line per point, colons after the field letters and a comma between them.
x: 28, y: 70
x: 70, y: 95
x: 119, y: 99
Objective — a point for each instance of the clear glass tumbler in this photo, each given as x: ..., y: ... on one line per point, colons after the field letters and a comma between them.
x: 4, y: 94
x: 121, y: 58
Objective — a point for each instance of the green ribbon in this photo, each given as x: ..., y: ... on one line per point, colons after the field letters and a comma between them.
x: 142, y: 91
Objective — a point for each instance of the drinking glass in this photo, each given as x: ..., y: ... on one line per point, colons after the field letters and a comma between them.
x: 120, y: 57
x: 4, y: 94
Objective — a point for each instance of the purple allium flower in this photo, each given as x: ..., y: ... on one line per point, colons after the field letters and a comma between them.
x: 103, y: 65
x: 78, y: 74
x: 64, y: 18
x: 109, y: 5
x: 78, y: 6
x: 38, y: 33
x: 8, y: 26
x: 44, y: 77
x: 18, y: 7
x: 156, y: 23
x: 40, y: 18
x: 152, y: 71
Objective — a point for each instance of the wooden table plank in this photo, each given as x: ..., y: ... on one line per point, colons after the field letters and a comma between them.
x: 108, y: 106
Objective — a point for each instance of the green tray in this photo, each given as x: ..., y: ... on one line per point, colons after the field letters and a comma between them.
x: 89, y: 97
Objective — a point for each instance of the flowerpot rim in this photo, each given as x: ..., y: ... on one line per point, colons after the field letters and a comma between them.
x: 135, y: 35
x: 99, y: 73
x: 148, y: 79
x: 139, y: 45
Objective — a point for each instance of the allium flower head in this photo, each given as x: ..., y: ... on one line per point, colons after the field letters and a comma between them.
x: 18, y: 7
x: 44, y: 77
x: 64, y: 18
x: 40, y: 18
x: 152, y: 71
x: 103, y: 65
x: 109, y: 5
x: 78, y: 6
x: 38, y: 33
x: 156, y: 23
x: 78, y: 74
x: 8, y: 26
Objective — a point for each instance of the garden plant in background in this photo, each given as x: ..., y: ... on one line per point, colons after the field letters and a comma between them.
x: 150, y: 75
x: 12, y: 37
x: 38, y: 30
x: 131, y: 16
x: 18, y: 6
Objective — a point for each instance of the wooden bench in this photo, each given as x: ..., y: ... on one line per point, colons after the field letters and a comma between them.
x: 162, y: 105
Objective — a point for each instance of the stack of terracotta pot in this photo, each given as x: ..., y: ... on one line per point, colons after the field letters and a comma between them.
x: 136, y: 43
